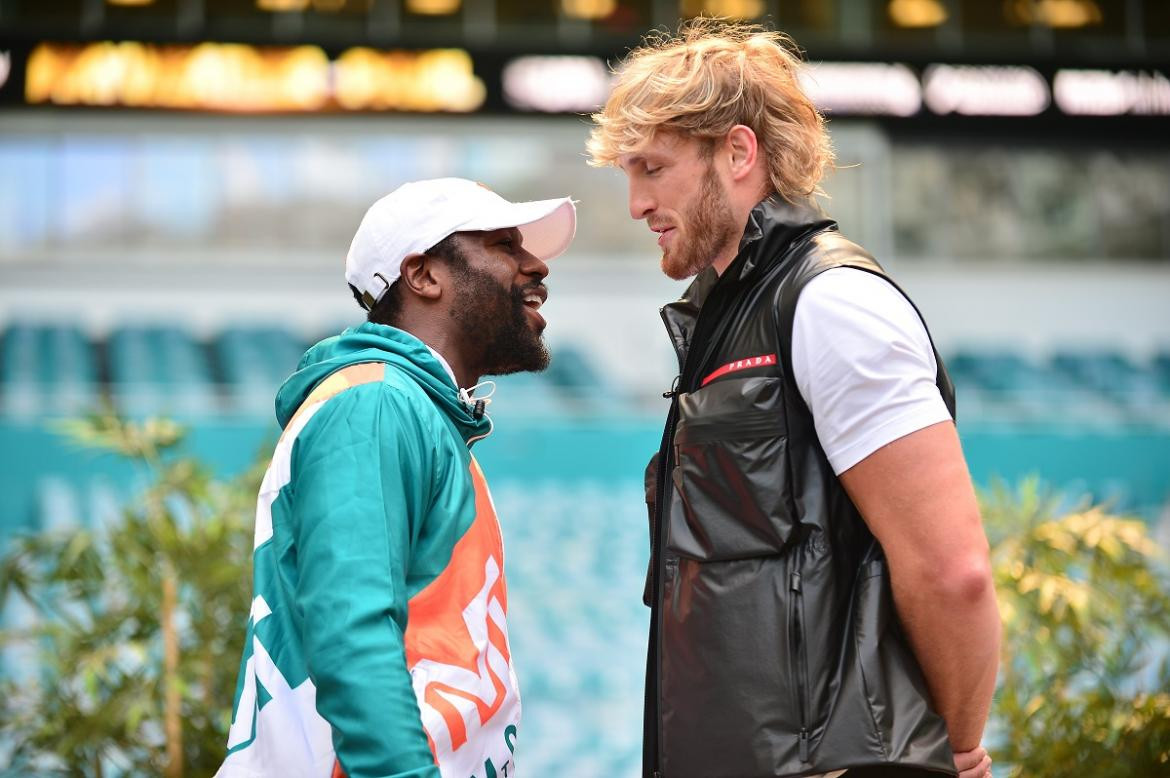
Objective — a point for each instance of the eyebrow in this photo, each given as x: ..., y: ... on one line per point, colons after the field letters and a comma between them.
x: 511, y: 232
x: 628, y: 162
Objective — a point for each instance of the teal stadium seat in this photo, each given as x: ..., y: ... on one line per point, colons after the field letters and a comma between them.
x: 254, y: 361
x: 159, y: 370
x: 1114, y: 376
x: 585, y: 387
x: 576, y: 557
x: 1160, y: 365
x: 1009, y: 385
x: 526, y: 394
x: 58, y: 505
x: 570, y: 386
x: 47, y: 370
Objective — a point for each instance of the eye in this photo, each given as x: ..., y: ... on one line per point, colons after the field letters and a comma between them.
x: 650, y: 171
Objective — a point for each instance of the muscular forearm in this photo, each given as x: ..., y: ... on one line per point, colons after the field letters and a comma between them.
x: 952, y: 621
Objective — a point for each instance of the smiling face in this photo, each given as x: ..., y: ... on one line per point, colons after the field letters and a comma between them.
x: 674, y: 185
x: 498, y: 292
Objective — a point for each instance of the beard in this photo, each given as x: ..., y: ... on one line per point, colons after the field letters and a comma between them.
x: 708, y: 226
x: 495, y: 326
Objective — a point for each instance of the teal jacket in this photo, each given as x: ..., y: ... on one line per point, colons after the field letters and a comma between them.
x: 376, y: 643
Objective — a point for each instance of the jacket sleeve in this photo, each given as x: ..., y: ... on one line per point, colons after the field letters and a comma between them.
x: 358, y: 499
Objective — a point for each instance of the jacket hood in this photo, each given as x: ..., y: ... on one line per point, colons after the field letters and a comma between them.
x: 378, y: 343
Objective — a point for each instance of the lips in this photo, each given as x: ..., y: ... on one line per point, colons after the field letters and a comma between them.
x: 533, y: 300
x: 664, y: 231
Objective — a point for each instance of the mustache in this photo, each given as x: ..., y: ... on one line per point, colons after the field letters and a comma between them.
x: 518, y: 292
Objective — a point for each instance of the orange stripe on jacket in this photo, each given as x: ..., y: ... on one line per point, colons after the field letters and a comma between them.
x: 436, y: 629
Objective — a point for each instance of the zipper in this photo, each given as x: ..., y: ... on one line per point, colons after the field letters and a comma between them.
x: 654, y: 695
x: 652, y: 731
x: 653, y: 705
x: 796, y: 648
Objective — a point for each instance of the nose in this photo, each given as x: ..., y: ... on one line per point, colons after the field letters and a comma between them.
x: 533, y: 265
x: 641, y: 204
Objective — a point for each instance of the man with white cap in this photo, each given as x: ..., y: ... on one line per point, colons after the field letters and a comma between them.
x: 377, y: 643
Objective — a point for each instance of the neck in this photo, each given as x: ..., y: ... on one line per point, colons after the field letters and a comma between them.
x: 449, y: 346
x: 730, y: 251
x: 465, y: 374
x: 724, y: 258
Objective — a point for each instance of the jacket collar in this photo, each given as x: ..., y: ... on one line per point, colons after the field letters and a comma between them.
x: 773, y: 226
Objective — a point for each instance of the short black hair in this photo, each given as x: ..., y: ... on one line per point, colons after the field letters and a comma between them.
x: 388, y: 309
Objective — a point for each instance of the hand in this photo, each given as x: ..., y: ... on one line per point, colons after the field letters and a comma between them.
x: 975, y: 763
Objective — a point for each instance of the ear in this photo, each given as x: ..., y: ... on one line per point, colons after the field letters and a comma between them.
x: 420, y: 277
x: 743, y: 150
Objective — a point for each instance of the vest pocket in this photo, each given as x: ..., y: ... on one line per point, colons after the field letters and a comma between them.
x: 730, y: 483
x: 729, y: 701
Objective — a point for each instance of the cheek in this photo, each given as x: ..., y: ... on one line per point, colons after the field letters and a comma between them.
x: 504, y: 273
x: 679, y: 188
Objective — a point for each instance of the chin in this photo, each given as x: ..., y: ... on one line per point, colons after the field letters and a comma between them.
x: 529, y: 360
x: 679, y: 271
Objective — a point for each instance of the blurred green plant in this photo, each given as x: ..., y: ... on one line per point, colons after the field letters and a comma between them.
x: 1084, y: 684
x: 138, y: 625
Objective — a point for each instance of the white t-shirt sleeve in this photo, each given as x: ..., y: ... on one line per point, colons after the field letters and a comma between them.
x: 864, y: 365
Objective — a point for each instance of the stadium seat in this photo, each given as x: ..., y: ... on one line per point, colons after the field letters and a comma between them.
x: 159, y: 370
x: 1114, y: 376
x: 1012, y: 386
x: 58, y: 505
x: 526, y: 394
x: 47, y: 370
x: 254, y: 362
x: 1160, y: 365
x: 586, y: 387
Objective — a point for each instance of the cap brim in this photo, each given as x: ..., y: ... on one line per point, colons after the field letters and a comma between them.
x: 548, y: 226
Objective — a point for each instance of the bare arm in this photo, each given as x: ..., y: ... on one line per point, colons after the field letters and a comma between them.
x: 916, y: 496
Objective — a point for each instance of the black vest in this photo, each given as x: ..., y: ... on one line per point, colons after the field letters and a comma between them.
x: 775, y: 649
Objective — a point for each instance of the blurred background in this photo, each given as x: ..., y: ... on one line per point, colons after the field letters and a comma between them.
x: 180, y: 180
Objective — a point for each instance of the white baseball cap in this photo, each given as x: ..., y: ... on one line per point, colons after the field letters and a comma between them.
x: 416, y: 216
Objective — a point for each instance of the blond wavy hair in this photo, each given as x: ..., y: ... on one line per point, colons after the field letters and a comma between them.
x: 706, y: 79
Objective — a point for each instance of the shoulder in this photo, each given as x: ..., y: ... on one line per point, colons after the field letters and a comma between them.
x: 371, y: 412
x: 857, y: 299
x: 863, y: 363
x: 825, y: 250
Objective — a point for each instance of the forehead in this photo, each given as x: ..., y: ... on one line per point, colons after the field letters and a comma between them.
x: 482, y: 241
x: 661, y: 145
x: 487, y: 236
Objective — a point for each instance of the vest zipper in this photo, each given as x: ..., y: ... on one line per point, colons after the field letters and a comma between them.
x: 653, y: 704
x: 798, y: 663
x: 654, y: 699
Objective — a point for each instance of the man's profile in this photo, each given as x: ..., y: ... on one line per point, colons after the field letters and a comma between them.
x: 820, y: 585
x: 377, y: 642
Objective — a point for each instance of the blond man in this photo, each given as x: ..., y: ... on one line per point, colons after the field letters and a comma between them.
x: 819, y: 583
